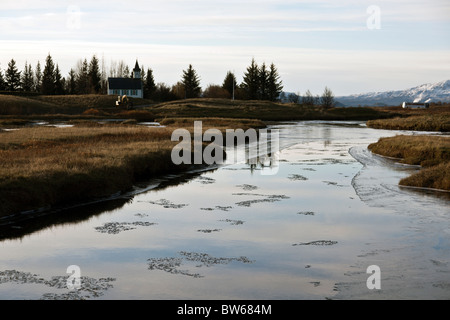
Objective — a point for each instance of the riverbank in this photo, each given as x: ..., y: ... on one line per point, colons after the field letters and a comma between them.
x: 44, y: 166
x: 432, y: 153
x: 437, y: 119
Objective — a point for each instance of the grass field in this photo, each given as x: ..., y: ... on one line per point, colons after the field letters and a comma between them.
x: 430, y: 152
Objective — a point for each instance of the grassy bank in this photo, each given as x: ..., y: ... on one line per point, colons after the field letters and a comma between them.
x: 261, y: 110
x: 62, y: 105
x: 46, y: 166
x: 430, y: 152
x: 437, y: 118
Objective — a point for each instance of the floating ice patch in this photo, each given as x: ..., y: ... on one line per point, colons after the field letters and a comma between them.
x: 297, y: 177
x: 90, y: 287
x: 173, y: 264
x: 247, y: 187
x: 316, y: 243
x: 209, y: 230
x: 168, y: 204
x: 117, y: 227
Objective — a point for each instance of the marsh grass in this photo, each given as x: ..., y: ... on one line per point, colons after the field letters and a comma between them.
x: 430, y: 152
x: 44, y: 166
x: 428, y: 122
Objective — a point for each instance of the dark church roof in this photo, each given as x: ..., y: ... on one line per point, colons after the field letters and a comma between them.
x: 136, y: 67
x: 124, y: 84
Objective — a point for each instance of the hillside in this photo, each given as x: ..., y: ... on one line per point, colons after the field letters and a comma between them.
x: 261, y: 110
x: 104, y: 106
x: 65, y: 104
x: 431, y: 92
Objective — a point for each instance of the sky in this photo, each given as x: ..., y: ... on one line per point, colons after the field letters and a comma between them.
x: 349, y: 46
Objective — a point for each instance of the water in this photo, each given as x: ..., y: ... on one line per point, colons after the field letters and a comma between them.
x: 308, y: 232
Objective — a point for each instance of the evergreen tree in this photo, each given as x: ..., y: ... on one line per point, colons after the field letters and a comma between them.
x: 59, y: 82
x: 27, y: 78
x: 2, y: 82
x: 251, y: 81
x: 94, y: 75
x: 12, y: 77
x: 71, y: 83
x: 191, y: 83
x: 38, y: 78
x: 229, y: 83
x: 263, y: 91
x: 275, y: 86
x: 48, y: 77
x: 149, y: 85
x: 83, y: 77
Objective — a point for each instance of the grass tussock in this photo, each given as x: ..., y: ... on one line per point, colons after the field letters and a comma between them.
x: 430, y: 152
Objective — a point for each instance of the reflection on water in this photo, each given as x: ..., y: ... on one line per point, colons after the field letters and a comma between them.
x: 307, y: 232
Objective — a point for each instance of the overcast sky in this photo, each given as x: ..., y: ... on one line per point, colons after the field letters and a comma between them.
x: 350, y: 46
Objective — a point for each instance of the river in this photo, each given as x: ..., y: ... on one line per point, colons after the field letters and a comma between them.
x: 308, y: 230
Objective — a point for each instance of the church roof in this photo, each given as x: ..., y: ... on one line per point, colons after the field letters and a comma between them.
x: 124, y: 84
x: 136, y: 67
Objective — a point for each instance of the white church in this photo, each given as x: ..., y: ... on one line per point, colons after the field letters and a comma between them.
x: 131, y: 87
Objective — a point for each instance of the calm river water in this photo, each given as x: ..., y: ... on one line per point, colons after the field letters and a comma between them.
x: 310, y: 231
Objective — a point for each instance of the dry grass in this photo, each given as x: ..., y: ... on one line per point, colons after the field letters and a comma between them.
x: 431, y: 152
x: 436, y: 177
x: 437, y: 118
x: 48, y: 166
x: 418, y: 123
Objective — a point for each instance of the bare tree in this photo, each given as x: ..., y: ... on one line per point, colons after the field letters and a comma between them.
x: 327, y: 99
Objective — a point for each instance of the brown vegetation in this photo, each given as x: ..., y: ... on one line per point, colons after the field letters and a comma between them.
x: 44, y: 166
x: 437, y: 118
x: 431, y: 152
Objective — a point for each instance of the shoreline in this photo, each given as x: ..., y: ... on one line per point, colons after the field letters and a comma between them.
x: 430, y: 153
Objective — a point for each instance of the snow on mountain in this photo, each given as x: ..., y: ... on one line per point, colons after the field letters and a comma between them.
x: 432, y: 92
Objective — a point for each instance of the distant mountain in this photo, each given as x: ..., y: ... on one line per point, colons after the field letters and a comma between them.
x: 434, y: 92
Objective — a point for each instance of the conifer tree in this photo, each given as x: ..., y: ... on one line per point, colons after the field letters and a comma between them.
x: 149, y: 85
x: 275, y: 86
x: 12, y: 77
x: 191, y: 83
x: 59, y: 85
x: 2, y: 81
x: 229, y: 83
x: 251, y: 81
x: 48, y: 77
x: 38, y: 78
x: 83, y: 77
x: 71, y: 83
x: 264, y: 84
x: 94, y: 75
x: 27, y: 78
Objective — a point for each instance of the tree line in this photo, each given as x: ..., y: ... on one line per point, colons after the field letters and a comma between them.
x: 260, y: 82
